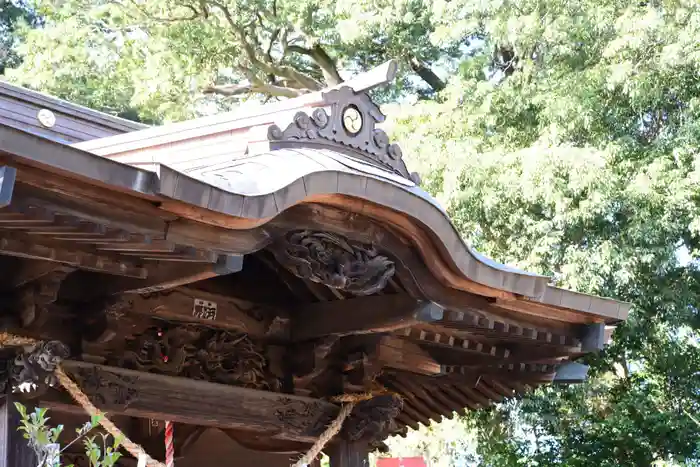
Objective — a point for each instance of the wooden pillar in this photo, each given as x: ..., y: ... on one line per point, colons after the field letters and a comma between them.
x: 345, y: 453
x: 14, y: 450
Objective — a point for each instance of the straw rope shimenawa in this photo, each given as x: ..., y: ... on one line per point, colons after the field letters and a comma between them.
x: 349, y: 401
x: 10, y: 340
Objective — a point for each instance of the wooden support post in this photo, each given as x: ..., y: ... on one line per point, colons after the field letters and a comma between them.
x: 345, y: 453
x: 8, y: 175
x: 14, y: 450
x: 593, y: 338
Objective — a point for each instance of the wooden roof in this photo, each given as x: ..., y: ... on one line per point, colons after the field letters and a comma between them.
x: 212, y: 190
x: 73, y: 123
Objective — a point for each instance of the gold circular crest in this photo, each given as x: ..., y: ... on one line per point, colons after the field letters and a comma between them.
x: 352, y: 120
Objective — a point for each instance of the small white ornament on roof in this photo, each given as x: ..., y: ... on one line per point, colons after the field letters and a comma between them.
x: 46, y: 118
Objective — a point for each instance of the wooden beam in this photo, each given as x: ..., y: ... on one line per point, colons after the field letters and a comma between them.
x: 460, y: 397
x: 456, y: 406
x: 14, y: 450
x: 30, y: 271
x: 12, y: 244
x: 431, y: 398
x: 146, y: 395
x: 401, y: 354
x: 434, y: 336
x: 571, y: 373
x: 195, y: 306
x: 524, y: 372
x: 546, y: 312
x: 486, y: 390
x: 470, y: 393
x: 484, y: 323
x: 159, y: 277
x: 412, y: 400
x: 363, y: 315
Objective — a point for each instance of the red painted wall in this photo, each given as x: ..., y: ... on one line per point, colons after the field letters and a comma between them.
x: 401, y: 462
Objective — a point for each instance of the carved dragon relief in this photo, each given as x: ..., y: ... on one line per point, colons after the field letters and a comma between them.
x: 334, y: 261
x: 198, y: 352
x: 351, y: 124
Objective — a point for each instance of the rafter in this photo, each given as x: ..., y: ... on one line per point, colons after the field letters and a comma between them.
x: 158, y: 277
x: 434, y: 337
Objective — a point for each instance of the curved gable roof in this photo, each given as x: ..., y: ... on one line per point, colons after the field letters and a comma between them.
x: 257, y: 169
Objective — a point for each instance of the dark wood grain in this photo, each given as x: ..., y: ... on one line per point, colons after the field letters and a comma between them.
x: 146, y: 395
x: 178, y: 305
x: 348, y: 454
x: 380, y: 313
x: 86, y: 287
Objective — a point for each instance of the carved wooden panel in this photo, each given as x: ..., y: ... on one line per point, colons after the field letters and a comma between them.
x: 334, y: 261
x: 198, y: 352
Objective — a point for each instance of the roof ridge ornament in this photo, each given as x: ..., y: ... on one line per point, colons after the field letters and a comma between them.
x: 351, y: 124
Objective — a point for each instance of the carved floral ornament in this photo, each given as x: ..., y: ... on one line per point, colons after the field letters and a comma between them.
x: 334, y: 261
x: 351, y: 124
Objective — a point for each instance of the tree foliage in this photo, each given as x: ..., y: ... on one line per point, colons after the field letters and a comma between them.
x: 170, y: 59
x: 581, y: 161
x: 100, y: 450
x: 13, y: 14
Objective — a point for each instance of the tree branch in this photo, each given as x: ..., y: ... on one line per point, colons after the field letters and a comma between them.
x: 323, y: 60
x: 261, y: 88
x: 278, y: 70
x: 427, y: 74
x: 195, y: 14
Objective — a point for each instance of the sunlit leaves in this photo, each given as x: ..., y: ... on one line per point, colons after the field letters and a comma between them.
x: 582, y: 164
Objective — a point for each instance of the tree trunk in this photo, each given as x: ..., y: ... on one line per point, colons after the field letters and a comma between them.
x: 427, y: 75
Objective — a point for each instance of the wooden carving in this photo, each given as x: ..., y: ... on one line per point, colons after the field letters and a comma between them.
x: 34, y: 367
x: 201, y: 353
x: 334, y: 261
x: 373, y: 419
x: 106, y: 389
x: 351, y: 124
x: 35, y: 296
x: 300, y: 414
